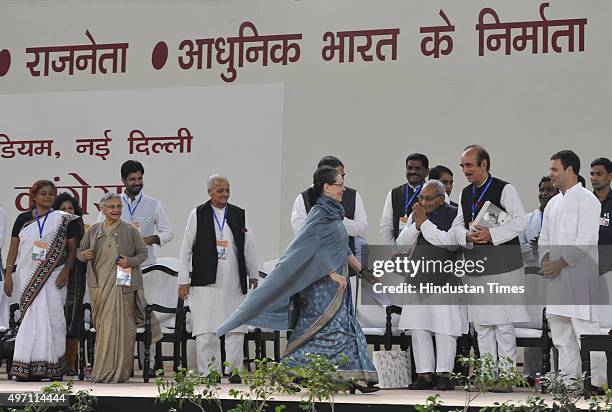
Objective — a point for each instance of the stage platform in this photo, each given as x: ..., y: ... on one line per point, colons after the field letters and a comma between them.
x: 138, y: 396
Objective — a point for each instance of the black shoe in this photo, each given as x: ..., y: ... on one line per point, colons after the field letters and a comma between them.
x: 370, y: 388
x: 235, y: 379
x: 444, y: 383
x: 421, y: 384
x: 597, y: 391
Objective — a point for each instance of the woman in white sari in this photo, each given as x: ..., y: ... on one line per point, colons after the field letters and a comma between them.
x: 41, y: 256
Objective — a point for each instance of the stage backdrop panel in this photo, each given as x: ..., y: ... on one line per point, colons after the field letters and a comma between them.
x: 181, y: 136
x: 367, y: 80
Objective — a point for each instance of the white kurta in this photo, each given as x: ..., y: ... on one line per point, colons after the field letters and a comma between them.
x: 357, y: 227
x: 572, y: 219
x: 211, y: 305
x: 445, y: 319
x: 386, y: 220
x: 496, y: 314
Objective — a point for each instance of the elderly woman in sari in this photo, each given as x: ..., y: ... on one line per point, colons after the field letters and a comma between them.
x: 114, y: 251
x: 43, y: 251
x: 312, y: 268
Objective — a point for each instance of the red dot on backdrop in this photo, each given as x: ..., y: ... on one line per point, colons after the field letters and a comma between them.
x: 159, y: 56
x: 5, y: 62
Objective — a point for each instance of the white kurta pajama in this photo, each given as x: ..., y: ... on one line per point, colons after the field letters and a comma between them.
x: 212, y: 304
x: 442, y: 322
x: 494, y: 323
x: 386, y: 220
x: 572, y: 219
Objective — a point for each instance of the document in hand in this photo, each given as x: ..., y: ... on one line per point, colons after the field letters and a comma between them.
x: 490, y: 216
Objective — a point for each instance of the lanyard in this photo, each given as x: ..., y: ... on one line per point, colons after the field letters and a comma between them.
x: 221, y: 226
x: 415, y: 194
x: 477, y: 204
x: 541, y: 219
x: 41, y: 227
x: 130, y: 210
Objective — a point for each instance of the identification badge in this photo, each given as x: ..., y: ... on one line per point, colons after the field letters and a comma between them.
x: 136, y: 225
x: 222, y: 249
x: 39, y: 250
x: 403, y: 222
x: 124, y: 276
x: 604, y: 221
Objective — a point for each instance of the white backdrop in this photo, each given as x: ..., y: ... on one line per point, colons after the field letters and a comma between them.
x: 522, y: 106
x: 234, y: 129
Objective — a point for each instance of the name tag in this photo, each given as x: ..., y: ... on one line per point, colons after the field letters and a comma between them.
x: 222, y: 249
x: 136, y: 225
x: 403, y: 222
x: 124, y: 276
x: 39, y: 250
x: 604, y: 221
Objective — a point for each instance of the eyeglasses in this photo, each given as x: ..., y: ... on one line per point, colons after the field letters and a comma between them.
x: 427, y: 198
x: 337, y: 184
x: 113, y: 207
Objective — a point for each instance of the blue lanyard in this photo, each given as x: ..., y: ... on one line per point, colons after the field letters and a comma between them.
x: 415, y: 194
x: 477, y: 203
x: 130, y: 210
x: 221, y: 226
x: 41, y: 227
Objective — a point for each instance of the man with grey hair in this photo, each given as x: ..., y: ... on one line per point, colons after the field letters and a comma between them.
x: 217, y: 265
x: 427, y: 235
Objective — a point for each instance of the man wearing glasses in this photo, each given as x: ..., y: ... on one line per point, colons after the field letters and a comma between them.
x: 427, y: 235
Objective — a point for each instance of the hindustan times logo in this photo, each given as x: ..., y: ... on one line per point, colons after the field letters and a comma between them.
x: 412, y: 267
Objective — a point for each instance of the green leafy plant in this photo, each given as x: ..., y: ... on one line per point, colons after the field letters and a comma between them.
x: 268, y: 378
x: 565, y: 395
x: 487, y: 375
x: 188, y: 386
x: 432, y: 404
x: 534, y: 403
x: 321, y: 380
x: 500, y: 407
x: 601, y: 403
